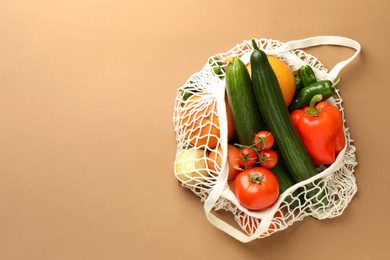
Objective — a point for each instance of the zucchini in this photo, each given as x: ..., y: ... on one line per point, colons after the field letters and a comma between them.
x: 276, y: 117
x: 245, y: 114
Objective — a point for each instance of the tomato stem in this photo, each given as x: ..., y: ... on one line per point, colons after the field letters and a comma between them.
x: 264, y: 159
x: 256, y: 177
x: 261, y: 141
x: 253, y: 147
x: 246, y: 156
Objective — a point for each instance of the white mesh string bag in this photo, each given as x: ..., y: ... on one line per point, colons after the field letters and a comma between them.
x: 200, y: 125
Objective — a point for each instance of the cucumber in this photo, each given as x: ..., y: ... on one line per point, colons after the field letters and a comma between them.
x: 276, y: 117
x: 245, y: 114
x: 284, y: 179
x: 285, y: 182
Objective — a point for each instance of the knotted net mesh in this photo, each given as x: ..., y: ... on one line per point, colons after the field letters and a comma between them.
x: 201, y: 128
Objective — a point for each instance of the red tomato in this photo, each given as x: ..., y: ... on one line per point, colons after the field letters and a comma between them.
x: 256, y: 188
x: 249, y: 157
x: 268, y: 159
x: 264, y: 140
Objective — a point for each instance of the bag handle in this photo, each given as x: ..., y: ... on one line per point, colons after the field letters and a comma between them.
x: 220, y: 186
x: 325, y: 40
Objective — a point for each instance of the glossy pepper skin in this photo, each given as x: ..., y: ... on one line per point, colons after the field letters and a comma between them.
x: 298, y: 83
x: 321, y: 129
x: 303, y: 97
x: 307, y: 75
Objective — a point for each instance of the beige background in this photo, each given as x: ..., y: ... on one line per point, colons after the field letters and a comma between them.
x: 86, y: 135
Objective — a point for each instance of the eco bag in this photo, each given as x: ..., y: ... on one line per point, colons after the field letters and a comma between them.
x: 201, y: 127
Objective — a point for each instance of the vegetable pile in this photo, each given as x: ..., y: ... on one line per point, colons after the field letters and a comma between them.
x: 273, y: 142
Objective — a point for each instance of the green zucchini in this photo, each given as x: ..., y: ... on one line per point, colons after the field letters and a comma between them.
x: 245, y: 114
x: 277, y: 119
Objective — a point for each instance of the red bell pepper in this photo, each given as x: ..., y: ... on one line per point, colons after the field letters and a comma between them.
x: 321, y: 129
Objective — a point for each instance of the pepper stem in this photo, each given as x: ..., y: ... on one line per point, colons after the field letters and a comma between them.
x: 335, y: 83
x: 256, y: 177
x: 313, y: 111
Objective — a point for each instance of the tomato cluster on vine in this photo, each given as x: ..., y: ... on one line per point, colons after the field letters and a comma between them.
x: 260, y: 152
